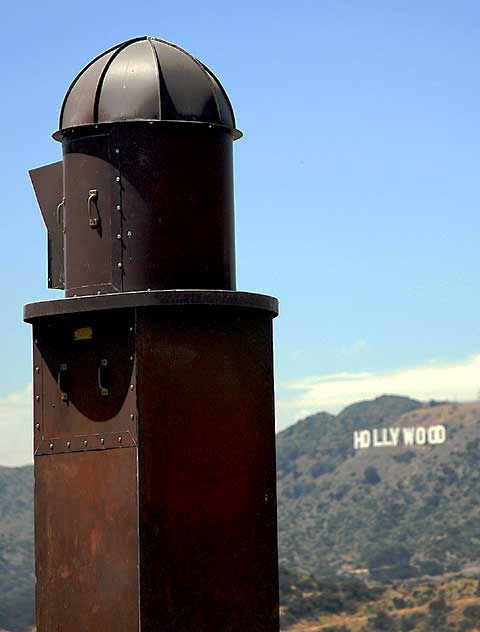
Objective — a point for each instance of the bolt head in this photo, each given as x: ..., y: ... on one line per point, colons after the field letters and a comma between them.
x: 37, y: 398
x: 85, y: 443
x: 119, y: 439
x: 68, y: 444
x: 102, y: 441
x: 117, y: 178
x: 129, y: 233
x: 37, y: 426
x: 37, y: 369
x: 119, y: 236
x: 119, y: 264
x: 51, y: 446
x: 132, y: 387
x: 132, y: 416
x: 119, y: 208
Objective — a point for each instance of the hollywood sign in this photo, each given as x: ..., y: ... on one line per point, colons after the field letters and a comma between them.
x: 393, y: 437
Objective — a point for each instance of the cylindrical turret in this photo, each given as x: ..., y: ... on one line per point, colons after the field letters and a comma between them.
x: 147, y: 203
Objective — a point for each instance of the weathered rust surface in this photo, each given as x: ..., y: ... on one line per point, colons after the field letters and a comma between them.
x: 208, y: 554
x: 48, y: 185
x: 86, y: 542
x: 84, y: 414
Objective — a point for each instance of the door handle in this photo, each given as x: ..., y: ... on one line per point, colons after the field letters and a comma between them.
x: 101, y: 375
x: 92, y: 195
x: 62, y: 382
x: 60, y: 217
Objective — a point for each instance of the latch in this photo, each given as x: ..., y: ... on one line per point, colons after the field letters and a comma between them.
x: 92, y: 195
x: 102, y: 369
x: 62, y: 382
x: 60, y: 214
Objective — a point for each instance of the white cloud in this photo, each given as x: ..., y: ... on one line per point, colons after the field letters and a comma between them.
x: 435, y: 380
x: 16, y: 428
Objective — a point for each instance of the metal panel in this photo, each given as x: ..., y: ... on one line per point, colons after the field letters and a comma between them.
x: 130, y: 87
x: 85, y: 383
x: 208, y: 555
x: 193, y: 98
x: 92, y: 194
x: 48, y: 185
x: 177, y: 209
x: 78, y: 108
x: 86, y: 542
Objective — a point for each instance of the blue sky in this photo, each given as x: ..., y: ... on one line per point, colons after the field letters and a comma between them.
x: 357, y: 188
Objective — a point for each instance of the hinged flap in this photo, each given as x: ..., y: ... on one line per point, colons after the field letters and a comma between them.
x: 48, y: 185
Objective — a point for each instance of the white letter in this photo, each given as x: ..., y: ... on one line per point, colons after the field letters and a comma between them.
x: 420, y: 436
x: 357, y: 440
x: 437, y: 434
x: 376, y: 441
x: 394, y: 433
x: 408, y: 434
x: 366, y: 438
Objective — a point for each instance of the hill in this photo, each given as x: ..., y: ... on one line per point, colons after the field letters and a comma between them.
x: 16, y: 548
x: 394, y: 510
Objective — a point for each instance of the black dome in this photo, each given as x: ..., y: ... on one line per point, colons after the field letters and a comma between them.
x: 145, y: 79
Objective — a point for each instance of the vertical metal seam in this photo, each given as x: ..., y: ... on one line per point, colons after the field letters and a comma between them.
x: 104, y: 72
x: 210, y: 75
x: 74, y: 82
x: 158, y: 71
x: 212, y: 87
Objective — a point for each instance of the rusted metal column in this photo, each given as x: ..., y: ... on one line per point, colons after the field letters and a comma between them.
x: 155, y: 501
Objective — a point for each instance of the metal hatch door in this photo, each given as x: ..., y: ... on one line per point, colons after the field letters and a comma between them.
x: 92, y: 217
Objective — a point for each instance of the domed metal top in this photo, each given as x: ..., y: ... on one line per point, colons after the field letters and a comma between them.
x: 145, y: 79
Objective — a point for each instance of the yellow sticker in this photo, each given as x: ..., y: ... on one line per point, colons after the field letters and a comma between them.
x: 83, y: 333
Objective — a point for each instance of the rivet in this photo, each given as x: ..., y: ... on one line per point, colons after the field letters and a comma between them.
x: 129, y: 233
x: 119, y: 264
x: 35, y: 341
x: 98, y: 292
x: 119, y: 208
x: 51, y: 446
x: 119, y: 439
x: 131, y: 358
x: 68, y: 444
x: 117, y: 178
x: 132, y: 416
x: 37, y: 426
x: 132, y: 387
x: 37, y: 369
x: 85, y: 443
x: 131, y: 328
x: 119, y: 236
x: 102, y: 441
x: 117, y: 151
x: 37, y: 398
